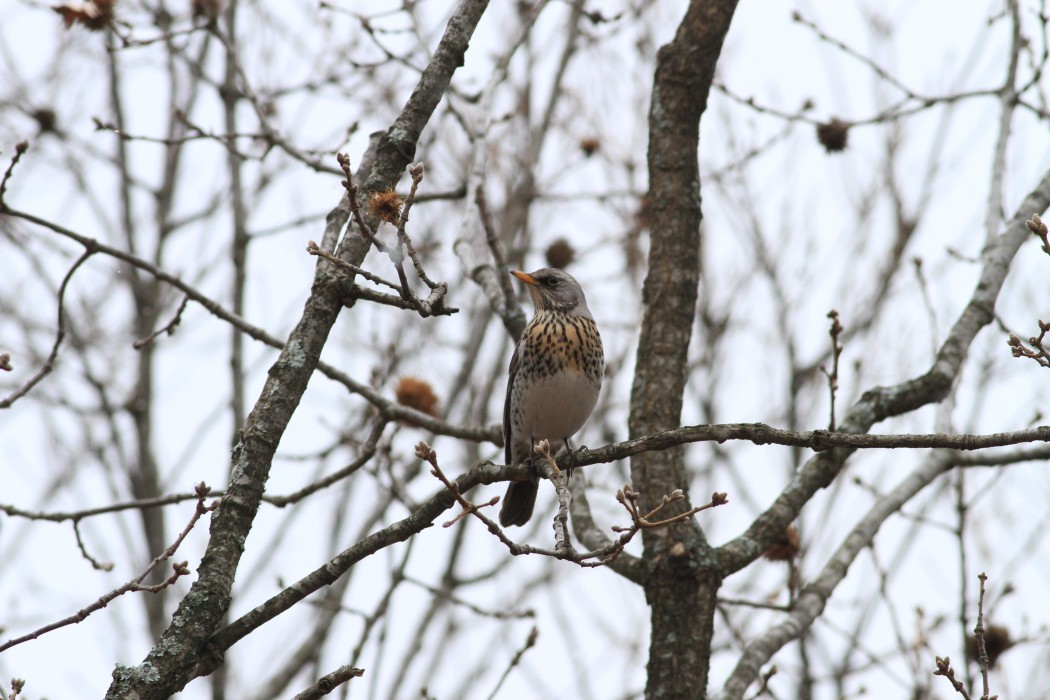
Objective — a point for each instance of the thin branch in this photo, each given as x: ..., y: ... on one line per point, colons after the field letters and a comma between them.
x: 499, y: 257
x: 758, y: 433
x: 944, y: 668
x: 530, y: 642
x: 135, y: 584
x: 60, y: 333
x: 816, y: 440
x: 850, y: 51
x: 330, y: 682
x: 392, y: 210
x: 813, y: 597
x: 398, y: 302
x: 313, y: 249
x: 1007, y: 107
x: 368, y: 450
x: 20, y: 148
x: 753, y: 604
x: 271, y: 135
x: 386, y: 407
x: 95, y: 564
x: 17, y: 684
x: 562, y: 543
x: 982, y: 650
x: 563, y: 549
x: 169, y: 328
x: 416, y: 172
x: 494, y: 614
x: 836, y: 352
x: 62, y: 516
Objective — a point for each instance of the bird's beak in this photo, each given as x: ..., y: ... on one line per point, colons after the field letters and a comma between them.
x: 525, y: 277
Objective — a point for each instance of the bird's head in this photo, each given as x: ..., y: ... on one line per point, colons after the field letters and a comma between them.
x: 555, y: 290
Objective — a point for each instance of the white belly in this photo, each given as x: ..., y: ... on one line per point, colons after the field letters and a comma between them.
x: 554, y: 408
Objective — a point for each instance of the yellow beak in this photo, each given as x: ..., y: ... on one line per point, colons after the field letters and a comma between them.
x: 525, y: 277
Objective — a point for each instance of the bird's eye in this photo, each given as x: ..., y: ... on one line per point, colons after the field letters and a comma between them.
x: 552, y: 281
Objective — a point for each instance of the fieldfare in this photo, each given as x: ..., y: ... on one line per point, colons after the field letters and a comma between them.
x: 555, y: 375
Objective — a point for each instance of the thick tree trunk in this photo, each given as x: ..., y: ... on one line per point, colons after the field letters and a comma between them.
x: 681, y: 582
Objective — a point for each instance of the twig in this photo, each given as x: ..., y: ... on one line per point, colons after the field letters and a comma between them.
x: 763, y: 686
x: 563, y: 549
x: 434, y: 304
x: 330, y: 682
x: 20, y: 148
x: 1037, y: 351
x: 169, y: 328
x: 427, y: 454
x: 850, y: 51
x: 495, y: 614
x: 135, y: 584
x: 561, y: 519
x: 386, y: 407
x: 753, y: 604
x: 959, y: 533
x: 529, y: 643
x: 16, y: 687
x: 62, y: 516
x: 416, y: 171
x: 95, y: 564
x: 920, y: 276
x: 272, y: 137
x: 1007, y: 96
x: 313, y: 249
x: 836, y: 352
x: 359, y: 292
x: 978, y: 633
x: 368, y: 450
x: 127, y: 41
x: 910, y: 103
x: 628, y: 498
x: 499, y: 255
x: 60, y: 334
x: 944, y: 668
x: 352, y: 192
x: 944, y: 665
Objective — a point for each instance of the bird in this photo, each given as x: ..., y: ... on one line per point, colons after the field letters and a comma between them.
x: 554, y: 379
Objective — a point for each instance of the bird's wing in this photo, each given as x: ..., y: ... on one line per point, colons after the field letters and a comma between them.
x: 506, y: 405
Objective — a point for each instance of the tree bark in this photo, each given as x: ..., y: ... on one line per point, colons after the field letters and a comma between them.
x: 182, y: 650
x: 681, y: 579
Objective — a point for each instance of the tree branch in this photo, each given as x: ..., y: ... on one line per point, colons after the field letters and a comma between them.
x: 874, y: 406
x: 180, y: 652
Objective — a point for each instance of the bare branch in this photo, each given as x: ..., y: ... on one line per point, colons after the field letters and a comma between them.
x: 329, y: 682
x: 134, y: 584
x: 530, y: 642
x: 169, y: 328
x: 20, y: 148
x: 60, y: 334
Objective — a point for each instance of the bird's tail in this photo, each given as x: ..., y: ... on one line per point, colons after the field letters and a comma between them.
x: 518, y: 503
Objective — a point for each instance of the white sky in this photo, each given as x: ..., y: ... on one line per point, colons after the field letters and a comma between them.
x: 593, y: 624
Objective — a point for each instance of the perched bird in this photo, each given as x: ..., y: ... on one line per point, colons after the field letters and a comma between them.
x: 555, y: 375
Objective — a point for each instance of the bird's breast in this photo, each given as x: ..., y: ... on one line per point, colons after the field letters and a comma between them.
x: 558, y: 377
x: 554, y: 343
